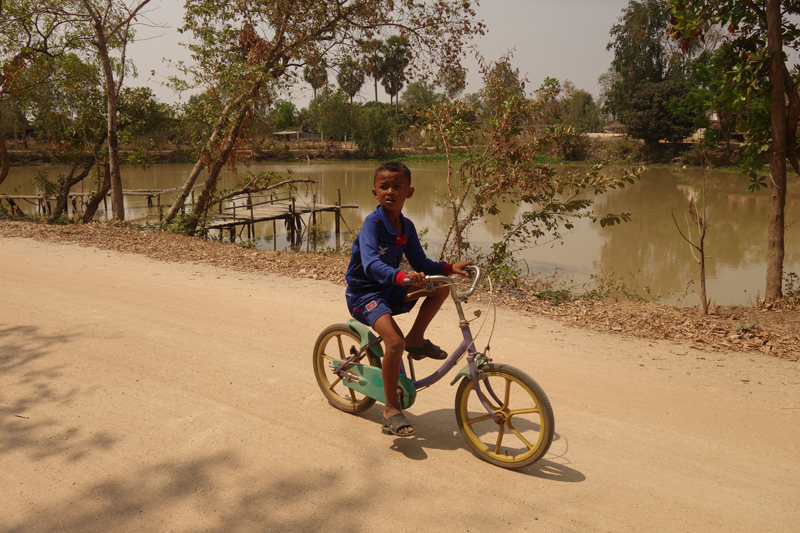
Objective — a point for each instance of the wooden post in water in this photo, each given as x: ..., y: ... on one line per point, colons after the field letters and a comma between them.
x: 313, y: 211
x: 160, y: 214
x: 251, y: 230
x: 292, y: 228
x: 338, y: 212
x: 298, y: 223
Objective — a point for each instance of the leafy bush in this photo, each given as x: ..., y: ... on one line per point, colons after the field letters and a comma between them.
x: 373, y: 132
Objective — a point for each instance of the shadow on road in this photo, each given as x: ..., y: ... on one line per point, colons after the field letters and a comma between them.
x: 28, y: 390
x: 439, y: 430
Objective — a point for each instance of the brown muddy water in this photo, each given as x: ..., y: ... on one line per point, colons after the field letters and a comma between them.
x: 647, y: 254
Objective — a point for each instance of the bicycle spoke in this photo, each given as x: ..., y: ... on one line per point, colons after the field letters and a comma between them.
x: 483, y: 418
x: 528, y: 411
x: 353, y: 395
x: 519, y: 435
x: 500, y: 433
x: 341, y: 346
x: 338, y: 379
x: 508, y: 393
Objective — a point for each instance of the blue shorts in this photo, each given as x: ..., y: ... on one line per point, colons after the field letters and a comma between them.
x: 369, y: 307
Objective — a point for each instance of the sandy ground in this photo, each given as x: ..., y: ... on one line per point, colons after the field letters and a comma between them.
x: 139, y: 395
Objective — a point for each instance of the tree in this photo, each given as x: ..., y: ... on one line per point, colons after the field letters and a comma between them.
x: 284, y: 115
x: 644, y: 53
x: 421, y: 95
x: 373, y: 129
x: 755, y: 68
x: 453, y: 79
x: 333, y: 114
x: 32, y: 36
x: 372, y: 61
x: 316, y: 74
x: 111, y: 23
x: 648, y: 116
x: 504, y: 170
x: 245, y: 52
x: 397, y: 57
x: 350, y: 77
x: 142, y: 117
x: 579, y: 110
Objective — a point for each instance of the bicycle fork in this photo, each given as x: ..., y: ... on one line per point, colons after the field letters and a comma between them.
x: 474, y: 359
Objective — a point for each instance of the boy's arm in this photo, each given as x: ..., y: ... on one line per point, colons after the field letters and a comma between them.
x: 374, y: 267
x: 420, y: 262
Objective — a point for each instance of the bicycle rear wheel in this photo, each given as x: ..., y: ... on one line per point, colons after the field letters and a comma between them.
x: 526, y: 426
x: 334, y: 343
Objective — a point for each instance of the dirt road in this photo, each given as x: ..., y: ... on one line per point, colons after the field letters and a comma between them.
x: 138, y: 395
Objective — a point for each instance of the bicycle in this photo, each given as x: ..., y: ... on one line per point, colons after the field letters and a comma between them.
x: 484, y: 419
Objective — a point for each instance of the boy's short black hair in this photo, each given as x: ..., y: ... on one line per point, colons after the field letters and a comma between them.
x: 393, y: 166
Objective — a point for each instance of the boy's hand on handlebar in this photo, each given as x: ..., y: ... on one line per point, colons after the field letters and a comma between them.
x: 458, y: 267
x: 417, y: 278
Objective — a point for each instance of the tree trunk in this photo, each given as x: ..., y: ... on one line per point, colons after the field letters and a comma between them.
x: 63, y: 196
x: 102, y: 191
x: 219, y: 128
x: 117, y: 201
x: 5, y: 164
x: 181, y: 199
x: 777, y: 157
x: 206, y: 196
x: 70, y: 181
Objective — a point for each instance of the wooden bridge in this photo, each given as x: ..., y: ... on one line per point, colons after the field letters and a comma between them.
x: 247, y: 209
x: 288, y: 209
x: 43, y: 206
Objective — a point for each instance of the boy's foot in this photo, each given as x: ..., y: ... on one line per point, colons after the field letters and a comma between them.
x: 428, y: 349
x: 397, y: 425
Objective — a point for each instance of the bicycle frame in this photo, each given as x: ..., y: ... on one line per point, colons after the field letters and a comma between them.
x: 467, y: 346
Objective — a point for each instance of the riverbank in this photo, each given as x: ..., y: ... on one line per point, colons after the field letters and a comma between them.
x: 767, y: 328
x: 617, y: 150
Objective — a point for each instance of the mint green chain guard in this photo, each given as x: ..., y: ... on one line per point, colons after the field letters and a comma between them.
x: 366, y: 337
x: 370, y: 383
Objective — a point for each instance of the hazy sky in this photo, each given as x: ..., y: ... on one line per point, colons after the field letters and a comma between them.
x: 564, y: 39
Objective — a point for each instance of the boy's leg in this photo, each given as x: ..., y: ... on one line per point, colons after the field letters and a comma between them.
x: 430, y: 306
x: 393, y: 347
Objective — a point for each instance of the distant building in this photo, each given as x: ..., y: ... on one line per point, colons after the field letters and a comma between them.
x: 286, y: 136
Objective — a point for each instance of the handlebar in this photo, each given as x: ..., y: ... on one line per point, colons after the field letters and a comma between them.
x: 444, y: 280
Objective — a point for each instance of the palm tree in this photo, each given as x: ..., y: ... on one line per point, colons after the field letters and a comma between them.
x: 351, y: 77
x: 316, y: 74
x: 397, y: 57
x: 373, y: 61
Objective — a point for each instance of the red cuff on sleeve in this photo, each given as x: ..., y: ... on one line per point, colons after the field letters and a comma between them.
x: 400, y: 277
x: 448, y: 268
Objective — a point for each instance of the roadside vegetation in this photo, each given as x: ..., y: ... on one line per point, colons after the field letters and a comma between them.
x: 690, y: 83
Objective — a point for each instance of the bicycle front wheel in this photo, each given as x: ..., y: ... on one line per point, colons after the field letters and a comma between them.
x: 525, y: 426
x: 334, y: 343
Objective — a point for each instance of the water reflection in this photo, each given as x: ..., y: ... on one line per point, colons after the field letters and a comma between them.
x: 648, y: 251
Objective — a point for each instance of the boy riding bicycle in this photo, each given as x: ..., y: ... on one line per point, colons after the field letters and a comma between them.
x: 376, y: 290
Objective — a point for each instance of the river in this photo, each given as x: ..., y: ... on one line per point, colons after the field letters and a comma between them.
x: 646, y: 254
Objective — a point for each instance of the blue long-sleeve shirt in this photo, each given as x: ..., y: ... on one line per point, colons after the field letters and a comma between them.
x: 377, y: 251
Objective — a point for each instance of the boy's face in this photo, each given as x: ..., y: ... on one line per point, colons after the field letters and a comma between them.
x: 391, y: 190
